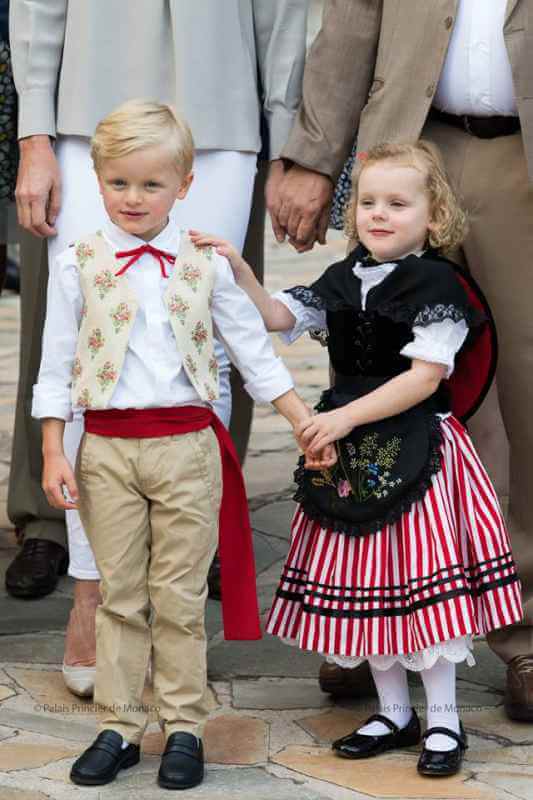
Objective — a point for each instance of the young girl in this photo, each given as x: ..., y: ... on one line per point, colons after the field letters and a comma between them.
x: 399, y: 552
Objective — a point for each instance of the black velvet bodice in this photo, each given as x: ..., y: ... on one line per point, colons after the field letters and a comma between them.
x: 366, y: 343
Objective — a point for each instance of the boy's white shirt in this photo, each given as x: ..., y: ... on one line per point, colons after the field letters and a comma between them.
x: 152, y: 375
x: 438, y: 342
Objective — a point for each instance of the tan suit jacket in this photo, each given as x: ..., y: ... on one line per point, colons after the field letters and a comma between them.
x: 373, y: 71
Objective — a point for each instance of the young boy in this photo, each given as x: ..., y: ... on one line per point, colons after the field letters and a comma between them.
x: 129, y: 337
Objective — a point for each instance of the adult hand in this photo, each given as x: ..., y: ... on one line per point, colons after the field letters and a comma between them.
x: 38, y: 191
x: 276, y: 174
x: 301, y: 208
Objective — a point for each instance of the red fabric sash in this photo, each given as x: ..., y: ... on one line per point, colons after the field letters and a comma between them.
x: 240, y: 611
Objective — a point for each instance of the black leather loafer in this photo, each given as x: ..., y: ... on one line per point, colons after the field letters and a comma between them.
x: 35, y: 570
x: 362, y: 745
x: 103, y: 760
x: 182, y: 763
x: 437, y: 763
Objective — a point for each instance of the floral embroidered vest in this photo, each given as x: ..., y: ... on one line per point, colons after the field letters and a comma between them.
x: 109, y: 312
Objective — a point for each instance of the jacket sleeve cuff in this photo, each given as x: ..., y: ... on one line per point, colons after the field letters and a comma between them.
x: 272, y: 385
x: 36, y: 113
x: 280, y: 123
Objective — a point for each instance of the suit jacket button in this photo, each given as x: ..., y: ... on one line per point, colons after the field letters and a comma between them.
x: 430, y: 91
x: 448, y: 22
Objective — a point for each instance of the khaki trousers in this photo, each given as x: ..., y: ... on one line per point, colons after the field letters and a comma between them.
x: 150, y: 509
x: 27, y: 506
x: 491, y: 178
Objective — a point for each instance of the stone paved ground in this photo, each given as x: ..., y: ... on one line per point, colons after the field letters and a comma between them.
x: 271, y: 727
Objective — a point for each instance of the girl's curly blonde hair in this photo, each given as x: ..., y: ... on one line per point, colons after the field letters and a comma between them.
x: 446, y: 213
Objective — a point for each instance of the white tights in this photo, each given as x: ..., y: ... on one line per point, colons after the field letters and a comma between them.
x: 394, y: 703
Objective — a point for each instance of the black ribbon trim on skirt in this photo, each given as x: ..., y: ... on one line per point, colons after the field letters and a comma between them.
x: 347, y: 597
x: 464, y: 568
x: 394, y: 612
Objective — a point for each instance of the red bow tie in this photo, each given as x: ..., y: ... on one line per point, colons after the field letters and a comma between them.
x: 134, y: 255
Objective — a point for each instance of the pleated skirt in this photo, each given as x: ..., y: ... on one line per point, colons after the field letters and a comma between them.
x: 444, y: 570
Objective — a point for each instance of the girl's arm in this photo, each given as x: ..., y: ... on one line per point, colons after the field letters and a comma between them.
x: 397, y: 395
x: 276, y: 316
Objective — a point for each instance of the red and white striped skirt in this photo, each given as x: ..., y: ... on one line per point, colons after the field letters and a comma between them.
x: 444, y: 570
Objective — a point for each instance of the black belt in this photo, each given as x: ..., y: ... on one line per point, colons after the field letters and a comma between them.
x: 482, y: 127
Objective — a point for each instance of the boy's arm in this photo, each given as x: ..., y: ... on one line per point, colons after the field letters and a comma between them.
x: 51, y: 394
x: 57, y: 472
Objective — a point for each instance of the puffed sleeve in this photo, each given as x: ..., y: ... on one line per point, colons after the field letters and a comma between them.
x: 438, y: 342
x: 309, y: 315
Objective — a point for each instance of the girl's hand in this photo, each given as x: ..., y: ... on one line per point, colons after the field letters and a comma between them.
x: 57, y: 474
x: 223, y: 248
x: 315, y: 433
x: 324, y: 460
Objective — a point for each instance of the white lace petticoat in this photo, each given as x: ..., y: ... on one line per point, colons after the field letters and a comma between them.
x: 455, y: 650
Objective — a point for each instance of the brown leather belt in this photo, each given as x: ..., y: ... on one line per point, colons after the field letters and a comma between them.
x: 482, y: 127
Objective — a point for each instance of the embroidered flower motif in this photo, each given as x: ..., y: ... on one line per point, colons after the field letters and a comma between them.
x: 371, y: 465
x: 83, y: 253
x: 76, y: 370
x: 213, y: 367
x: 104, y: 281
x: 84, y: 310
x: 96, y: 341
x: 120, y: 316
x: 84, y: 399
x: 211, y: 395
x: 178, y: 307
x: 106, y: 375
x: 192, y: 275
x: 206, y: 250
x: 343, y: 488
x: 191, y: 365
x: 199, y: 336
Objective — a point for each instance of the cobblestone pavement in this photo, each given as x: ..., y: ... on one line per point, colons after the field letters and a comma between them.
x: 270, y: 728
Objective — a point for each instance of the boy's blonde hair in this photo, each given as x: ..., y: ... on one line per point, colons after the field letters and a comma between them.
x: 137, y: 124
x: 445, y: 212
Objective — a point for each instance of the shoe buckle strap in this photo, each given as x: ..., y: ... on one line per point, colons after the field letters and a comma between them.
x: 446, y: 732
x: 385, y: 720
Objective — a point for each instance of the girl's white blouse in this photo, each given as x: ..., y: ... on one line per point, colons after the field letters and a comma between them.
x: 438, y: 342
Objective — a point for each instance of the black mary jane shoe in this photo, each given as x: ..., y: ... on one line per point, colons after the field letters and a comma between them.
x: 182, y: 763
x: 103, y: 760
x: 362, y: 745
x: 437, y: 763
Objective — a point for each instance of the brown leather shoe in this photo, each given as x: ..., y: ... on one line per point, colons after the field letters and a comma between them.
x: 519, y: 691
x: 341, y: 682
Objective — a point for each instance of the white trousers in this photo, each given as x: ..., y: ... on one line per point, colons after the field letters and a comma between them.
x: 219, y: 202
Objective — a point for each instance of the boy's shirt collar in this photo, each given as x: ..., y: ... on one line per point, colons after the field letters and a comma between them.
x: 168, y: 240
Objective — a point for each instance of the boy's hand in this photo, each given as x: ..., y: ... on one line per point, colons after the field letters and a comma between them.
x: 315, y: 433
x: 57, y: 474
x: 326, y: 459
x: 223, y: 248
